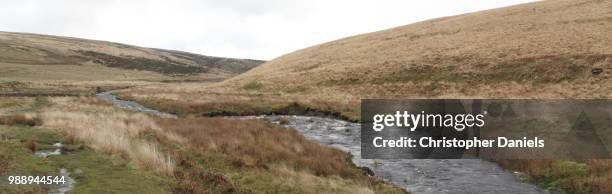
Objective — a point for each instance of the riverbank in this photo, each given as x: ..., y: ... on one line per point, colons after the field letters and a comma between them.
x: 140, y: 145
x: 421, y: 176
x: 264, y: 107
x: 253, y: 156
x: 26, y: 148
x: 414, y: 175
x: 590, y: 176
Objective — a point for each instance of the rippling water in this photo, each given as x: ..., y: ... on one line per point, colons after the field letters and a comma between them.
x: 131, y: 105
x: 69, y: 181
x: 414, y: 175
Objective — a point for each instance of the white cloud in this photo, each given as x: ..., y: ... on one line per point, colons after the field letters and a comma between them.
x: 230, y: 28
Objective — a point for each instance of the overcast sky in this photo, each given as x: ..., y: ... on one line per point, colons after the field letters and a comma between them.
x: 229, y: 28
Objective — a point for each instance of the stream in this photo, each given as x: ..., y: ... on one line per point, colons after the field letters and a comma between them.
x: 131, y: 105
x: 69, y: 181
x: 414, y: 175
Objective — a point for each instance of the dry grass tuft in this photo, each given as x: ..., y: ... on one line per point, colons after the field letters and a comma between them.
x: 308, y: 182
x: 224, y: 155
x: 109, y: 130
x: 150, y: 157
x: 591, y: 176
x: 191, y: 182
x: 20, y: 119
x: 30, y: 144
x: 259, y: 144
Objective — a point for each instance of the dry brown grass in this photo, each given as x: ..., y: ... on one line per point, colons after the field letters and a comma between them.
x: 192, y: 99
x: 245, y: 156
x: 30, y: 144
x: 195, y: 180
x: 258, y: 144
x: 540, y: 42
x: 308, y: 182
x: 4, y: 164
x: 19, y: 119
x: 591, y: 176
x: 109, y: 130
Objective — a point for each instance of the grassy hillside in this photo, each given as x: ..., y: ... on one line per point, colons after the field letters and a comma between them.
x: 528, y: 48
x: 30, y: 57
x: 547, y: 49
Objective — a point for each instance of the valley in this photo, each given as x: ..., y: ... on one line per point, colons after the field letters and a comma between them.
x: 118, y: 118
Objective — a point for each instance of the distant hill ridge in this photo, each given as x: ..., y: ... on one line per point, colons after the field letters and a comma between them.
x: 34, y: 49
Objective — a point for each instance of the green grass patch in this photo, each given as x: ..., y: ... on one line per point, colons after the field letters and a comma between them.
x: 340, y: 82
x: 254, y: 85
x: 564, y: 176
x: 296, y: 89
x: 93, y: 172
x: 561, y: 175
x: 424, y: 73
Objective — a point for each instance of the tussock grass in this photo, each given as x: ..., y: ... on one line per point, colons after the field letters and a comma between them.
x: 19, y: 119
x: 30, y: 145
x: 250, y: 156
x: 150, y: 157
x: 254, y: 85
x: 309, y: 182
x: 109, y: 130
x: 189, y: 99
x: 4, y: 162
x: 259, y: 144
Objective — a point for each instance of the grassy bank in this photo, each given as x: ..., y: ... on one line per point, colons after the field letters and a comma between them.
x: 189, y: 99
x: 241, y: 108
x: 116, y: 151
x: 225, y: 155
x: 92, y: 171
x: 563, y: 176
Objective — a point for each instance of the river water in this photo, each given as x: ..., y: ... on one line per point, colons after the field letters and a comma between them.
x: 131, y: 105
x: 69, y: 181
x: 414, y: 175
